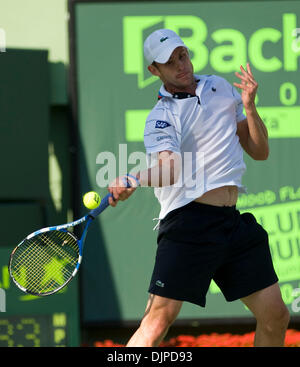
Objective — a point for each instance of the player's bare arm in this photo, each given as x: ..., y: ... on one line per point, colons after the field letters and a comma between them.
x: 165, y: 173
x: 252, y: 132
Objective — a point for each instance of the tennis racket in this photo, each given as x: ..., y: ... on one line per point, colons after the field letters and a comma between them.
x: 48, y: 259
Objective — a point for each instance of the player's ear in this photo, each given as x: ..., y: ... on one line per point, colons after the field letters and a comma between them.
x: 153, y: 70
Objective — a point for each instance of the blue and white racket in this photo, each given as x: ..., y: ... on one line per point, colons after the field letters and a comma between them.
x: 48, y: 259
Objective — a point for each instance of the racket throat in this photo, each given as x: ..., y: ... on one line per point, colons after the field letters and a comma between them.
x: 83, y: 236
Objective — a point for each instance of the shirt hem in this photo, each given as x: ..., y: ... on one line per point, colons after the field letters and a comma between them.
x: 241, y: 189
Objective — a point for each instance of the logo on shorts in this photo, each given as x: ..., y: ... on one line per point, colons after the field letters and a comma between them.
x: 162, y: 124
x: 159, y: 283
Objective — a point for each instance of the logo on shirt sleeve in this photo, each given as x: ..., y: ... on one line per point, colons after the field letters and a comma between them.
x: 162, y: 124
x: 159, y: 138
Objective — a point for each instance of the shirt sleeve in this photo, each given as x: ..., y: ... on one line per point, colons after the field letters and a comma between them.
x: 239, y: 105
x: 160, y: 132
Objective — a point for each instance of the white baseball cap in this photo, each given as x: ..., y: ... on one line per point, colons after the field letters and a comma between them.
x: 160, y: 44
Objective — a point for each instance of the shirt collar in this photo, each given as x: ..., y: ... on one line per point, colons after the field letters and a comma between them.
x: 179, y: 95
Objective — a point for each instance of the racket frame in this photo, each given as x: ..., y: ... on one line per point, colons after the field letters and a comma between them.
x: 63, y: 227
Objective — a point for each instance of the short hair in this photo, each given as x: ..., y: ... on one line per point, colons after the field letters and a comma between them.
x: 155, y: 64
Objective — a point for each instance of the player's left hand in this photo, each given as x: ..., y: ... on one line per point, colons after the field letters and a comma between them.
x: 248, y: 86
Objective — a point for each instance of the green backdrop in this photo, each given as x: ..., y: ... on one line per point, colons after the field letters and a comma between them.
x: 115, y: 92
x: 29, y: 147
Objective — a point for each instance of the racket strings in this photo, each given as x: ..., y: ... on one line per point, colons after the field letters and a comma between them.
x: 47, y: 268
x: 43, y: 255
x: 33, y: 277
x: 45, y: 262
x: 51, y: 271
x: 68, y: 261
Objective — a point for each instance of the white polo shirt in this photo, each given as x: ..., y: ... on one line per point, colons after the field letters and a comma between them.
x: 202, y: 130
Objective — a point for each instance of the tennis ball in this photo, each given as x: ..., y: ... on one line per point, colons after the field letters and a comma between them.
x: 91, y: 200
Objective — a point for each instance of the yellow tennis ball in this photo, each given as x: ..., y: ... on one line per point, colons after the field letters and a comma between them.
x: 91, y: 200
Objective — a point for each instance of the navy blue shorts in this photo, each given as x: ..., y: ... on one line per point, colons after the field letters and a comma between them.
x: 200, y: 242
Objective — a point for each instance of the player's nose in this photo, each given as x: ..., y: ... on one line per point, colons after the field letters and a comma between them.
x: 180, y: 65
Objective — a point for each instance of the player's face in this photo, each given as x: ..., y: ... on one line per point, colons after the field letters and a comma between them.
x: 177, y: 73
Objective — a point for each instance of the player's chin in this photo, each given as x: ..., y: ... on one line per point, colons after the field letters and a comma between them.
x: 185, y: 79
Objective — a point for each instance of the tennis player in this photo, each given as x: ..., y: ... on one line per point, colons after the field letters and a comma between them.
x: 202, y: 236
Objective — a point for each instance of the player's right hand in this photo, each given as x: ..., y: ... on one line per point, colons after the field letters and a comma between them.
x: 119, y: 191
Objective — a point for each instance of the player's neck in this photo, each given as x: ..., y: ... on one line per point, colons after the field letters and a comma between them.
x: 191, y: 89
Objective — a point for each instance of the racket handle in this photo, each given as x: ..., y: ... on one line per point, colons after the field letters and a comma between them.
x: 104, y: 204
